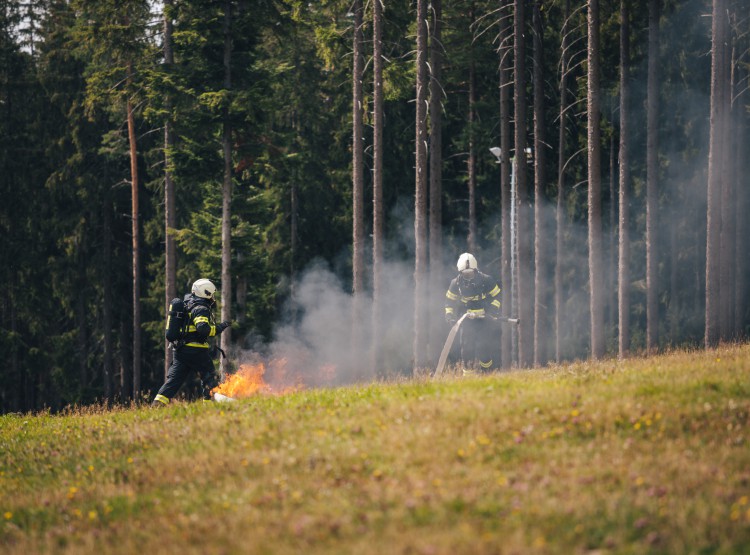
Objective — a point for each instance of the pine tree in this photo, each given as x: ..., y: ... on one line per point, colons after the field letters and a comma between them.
x: 420, y: 196
x: 595, y: 183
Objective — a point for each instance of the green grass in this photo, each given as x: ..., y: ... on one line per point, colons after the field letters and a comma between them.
x: 642, y: 456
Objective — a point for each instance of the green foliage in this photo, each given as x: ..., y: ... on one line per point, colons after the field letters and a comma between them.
x: 68, y: 68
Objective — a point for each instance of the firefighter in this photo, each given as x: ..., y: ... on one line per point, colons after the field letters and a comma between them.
x: 478, y: 295
x: 192, y: 352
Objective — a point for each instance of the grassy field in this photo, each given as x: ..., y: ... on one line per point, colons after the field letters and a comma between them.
x: 642, y: 456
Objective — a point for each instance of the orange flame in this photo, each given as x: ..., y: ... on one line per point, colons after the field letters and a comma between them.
x: 249, y: 380
x: 246, y: 382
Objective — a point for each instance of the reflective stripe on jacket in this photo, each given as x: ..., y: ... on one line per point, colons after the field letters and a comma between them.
x: 202, y: 323
x: 480, y: 296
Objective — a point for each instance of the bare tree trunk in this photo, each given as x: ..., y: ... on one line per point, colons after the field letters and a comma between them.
x: 437, y: 286
x: 652, y: 181
x: 136, y: 385
x: 358, y: 207
x: 506, y: 76
x: 611, y: 293
x: 107, y: 358
x: 420, y: 197
x: 81, y: 319
x: 719, y: 37
x: 293, y: 238
x: 740, y: 172
x: 561, y: 157
x: 541, y: 235
x: 471, y: 240
x: 595, y: 185
x: 377, y: 180
x: 623, y: 279
x: 728, y: 196
x: 525, y: 243
x: 170, y: 278
x: 226, y: 203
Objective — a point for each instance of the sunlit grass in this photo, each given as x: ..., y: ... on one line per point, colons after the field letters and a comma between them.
x: 646, y: 455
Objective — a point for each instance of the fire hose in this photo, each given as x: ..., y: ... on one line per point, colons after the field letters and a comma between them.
x: 454, y: 331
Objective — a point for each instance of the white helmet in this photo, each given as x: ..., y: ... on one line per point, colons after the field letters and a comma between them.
x: 204, y: 288
x: 466, y: 262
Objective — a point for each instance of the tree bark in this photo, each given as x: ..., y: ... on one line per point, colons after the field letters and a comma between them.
x: 420, y: 196
x: 623, y: 278
x: 107, y: 300
x: 561, y: 157
x: 437, y: 287
x: 226, y: 203
x: 728, y: 196
x: 506, y: 77
x: 525, y: 243
x: 358, y: 218
x: 611, y: 270
x: 719, y: 36
x: 170, y: 218
x: 135, y: 219
x: 595, y: 184
x: 652, y: 181
x: 740, y: 166
x: 541, y: 236
x: 471, y: 240
x: 377, y: 181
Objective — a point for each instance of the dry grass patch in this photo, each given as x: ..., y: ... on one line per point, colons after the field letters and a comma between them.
x: 646, y: 455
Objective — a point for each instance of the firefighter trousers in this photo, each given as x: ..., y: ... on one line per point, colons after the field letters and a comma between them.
x: 479, y: 341
x: 186, y: 360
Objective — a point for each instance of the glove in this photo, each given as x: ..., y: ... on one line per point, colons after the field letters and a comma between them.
x: 221, y: 327
x: 451, y: 319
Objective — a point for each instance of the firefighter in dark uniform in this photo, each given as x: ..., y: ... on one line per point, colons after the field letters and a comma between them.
x: 192, y: 353
x: 478, y: 295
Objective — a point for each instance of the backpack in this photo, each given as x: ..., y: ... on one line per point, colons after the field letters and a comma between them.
x: 178, y: 318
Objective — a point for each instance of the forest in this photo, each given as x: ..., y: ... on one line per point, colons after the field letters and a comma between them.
x: 325, y: 163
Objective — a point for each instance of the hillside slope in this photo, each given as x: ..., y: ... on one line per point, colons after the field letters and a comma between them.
x: 646, y: 455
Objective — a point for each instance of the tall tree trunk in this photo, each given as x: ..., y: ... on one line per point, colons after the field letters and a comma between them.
x: 358, y: 217
x: 136, y: 385
x: 652, y: 181
x: 611, y: 292
x: 293, y: 241
x: 437, y: 286
x: 728, y: 196
x: 623, y: 278
x: 719, y: 37
x: 471, y: 240
x: 506, y: 80
x: 377, y: 180
x: 595, y: 185
x: 561, y: 157
x: 420, y: 196
x: 226, y: 203
x: 170, y: 219
x: 541, y: 235
x: 740, y: 166
x: 81, y: 317
x: 525, y: 243
x: 107, y: 356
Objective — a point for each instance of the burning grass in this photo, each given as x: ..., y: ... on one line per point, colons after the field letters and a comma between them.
x: 246, y: 382
x: 648, y: 455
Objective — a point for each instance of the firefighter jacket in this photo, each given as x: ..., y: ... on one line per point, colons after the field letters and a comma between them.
x: 202, y: 324
x: 479, y: 295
